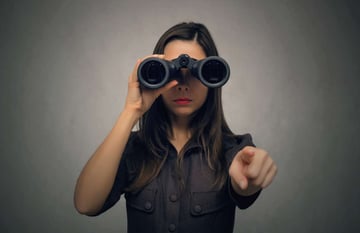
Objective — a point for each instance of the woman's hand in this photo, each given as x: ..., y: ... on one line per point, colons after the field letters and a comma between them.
x: 252, y: 169
x: 140, y: 99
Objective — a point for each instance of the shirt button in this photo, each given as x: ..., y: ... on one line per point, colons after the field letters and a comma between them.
x: 172, y: 227
x: 148, y: 205
x: 173, y: 197
x: 197, y: 209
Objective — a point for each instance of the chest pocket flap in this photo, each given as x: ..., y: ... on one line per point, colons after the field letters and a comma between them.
x: 208, y: 202
x: 143, y: 200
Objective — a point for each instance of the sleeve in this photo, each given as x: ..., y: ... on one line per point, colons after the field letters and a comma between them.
x: 121, y: 180
x: 242, y: 202
x: 232, y: 147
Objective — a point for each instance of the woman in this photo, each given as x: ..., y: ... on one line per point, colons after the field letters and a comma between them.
x: 183, y: 170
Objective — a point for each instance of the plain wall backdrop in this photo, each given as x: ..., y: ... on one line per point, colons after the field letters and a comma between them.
x: 294, y: 85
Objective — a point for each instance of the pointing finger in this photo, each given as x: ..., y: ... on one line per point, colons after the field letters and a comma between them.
x: 247, y: 154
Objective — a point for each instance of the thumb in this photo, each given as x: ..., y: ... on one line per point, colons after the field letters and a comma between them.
x: 240, y: 180
x: 236, y: 172
x: 243, y: 182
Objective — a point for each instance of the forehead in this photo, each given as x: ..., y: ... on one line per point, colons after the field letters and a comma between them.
x: 177, y: 47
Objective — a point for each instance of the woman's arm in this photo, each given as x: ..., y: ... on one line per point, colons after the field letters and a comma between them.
x: 97, y: 177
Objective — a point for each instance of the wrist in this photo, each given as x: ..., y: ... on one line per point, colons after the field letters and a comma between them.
x: 130, y: 116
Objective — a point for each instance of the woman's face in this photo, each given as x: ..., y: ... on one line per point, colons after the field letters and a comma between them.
x: 190, y: 94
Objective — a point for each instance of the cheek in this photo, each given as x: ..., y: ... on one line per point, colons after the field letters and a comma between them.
x: 198, y: 87
x: 168, y: 96
x: 201, y: 92
x: 204, y: 94
x: 165, y: 96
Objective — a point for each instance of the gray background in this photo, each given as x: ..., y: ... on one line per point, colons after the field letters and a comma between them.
x: 294, y: 87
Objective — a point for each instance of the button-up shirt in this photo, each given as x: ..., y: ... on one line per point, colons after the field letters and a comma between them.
x: 162, y: 207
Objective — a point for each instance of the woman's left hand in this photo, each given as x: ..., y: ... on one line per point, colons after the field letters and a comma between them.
x: 251, y: 170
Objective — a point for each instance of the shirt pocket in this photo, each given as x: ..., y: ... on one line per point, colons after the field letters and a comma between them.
x: 143, y: 200
x: 202, y: 203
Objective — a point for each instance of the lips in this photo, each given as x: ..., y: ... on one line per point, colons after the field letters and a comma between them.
x: 182, y: 101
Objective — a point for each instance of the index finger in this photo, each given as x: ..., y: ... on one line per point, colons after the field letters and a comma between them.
x: 247, y: 154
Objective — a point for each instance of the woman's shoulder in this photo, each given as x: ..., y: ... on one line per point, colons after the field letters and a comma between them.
x: 234, y: 143
x: 237, y: 140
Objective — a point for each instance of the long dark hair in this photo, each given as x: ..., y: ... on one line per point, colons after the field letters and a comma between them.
x: 208, y: 125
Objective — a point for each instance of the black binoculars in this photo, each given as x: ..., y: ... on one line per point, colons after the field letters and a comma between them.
x: 212, y: 71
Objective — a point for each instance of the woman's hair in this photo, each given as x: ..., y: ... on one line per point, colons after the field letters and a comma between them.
x: 208, y: 125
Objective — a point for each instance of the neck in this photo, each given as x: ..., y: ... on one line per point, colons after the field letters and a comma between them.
x: 180, y: 124
x: 180, y: 130
x: 181, y: 133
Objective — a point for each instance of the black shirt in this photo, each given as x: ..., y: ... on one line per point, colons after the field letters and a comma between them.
x: 160, y: 207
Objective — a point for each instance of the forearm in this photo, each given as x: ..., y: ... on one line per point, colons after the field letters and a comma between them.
x: 98, y: 175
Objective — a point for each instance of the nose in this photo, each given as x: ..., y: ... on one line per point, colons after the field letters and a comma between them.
x: 183, y: 80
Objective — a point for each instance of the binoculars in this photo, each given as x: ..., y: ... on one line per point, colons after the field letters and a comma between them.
x: 154, y: 72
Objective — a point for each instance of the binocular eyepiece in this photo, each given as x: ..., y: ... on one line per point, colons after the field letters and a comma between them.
x: 212, y: 71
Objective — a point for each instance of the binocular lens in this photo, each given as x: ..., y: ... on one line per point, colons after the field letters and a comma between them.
x: 214, y: 71
x: 153, y: 72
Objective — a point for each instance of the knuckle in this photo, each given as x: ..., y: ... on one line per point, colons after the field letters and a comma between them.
x: 257, y: 183
x: 252, y: 173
